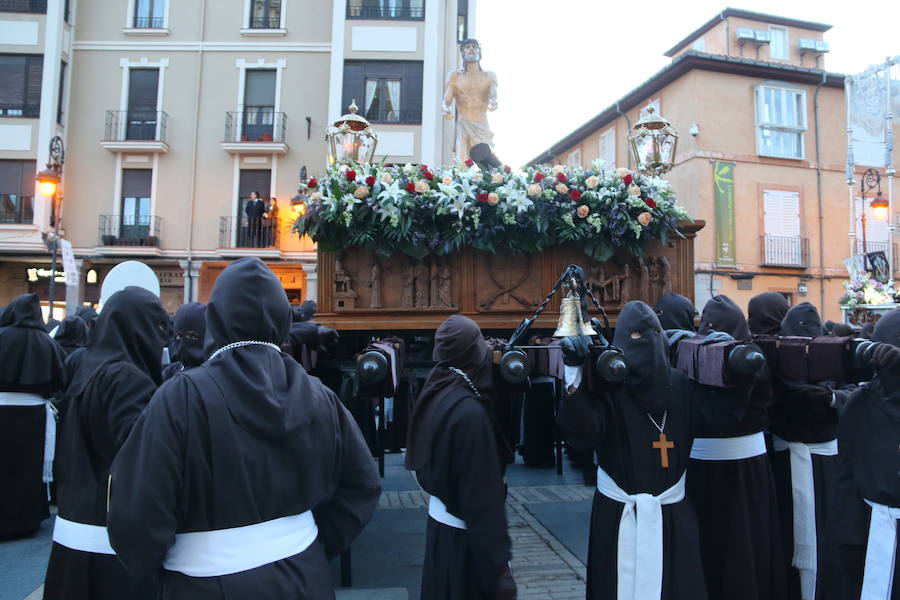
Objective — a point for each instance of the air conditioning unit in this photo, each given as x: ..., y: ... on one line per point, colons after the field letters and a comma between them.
x: 762, y: 36
x: 822, y: 46
x: 745, y: 34
x: 807, y: 45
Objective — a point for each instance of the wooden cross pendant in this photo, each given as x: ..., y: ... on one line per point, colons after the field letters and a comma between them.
x: 663, y: 445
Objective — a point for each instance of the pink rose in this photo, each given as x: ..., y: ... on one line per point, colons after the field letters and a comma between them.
x: 562, y: 188
x: 493, y: 198
x: 534, y: 190
x: 583, y: 211
x: 645, y: 218
x: 361, y: 192
x: 421, y: 187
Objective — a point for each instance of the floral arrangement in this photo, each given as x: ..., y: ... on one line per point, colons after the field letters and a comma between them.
x: 866, y: 290
x: 418, y: 211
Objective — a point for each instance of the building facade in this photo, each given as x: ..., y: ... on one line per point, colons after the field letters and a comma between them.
x: 759, y: 114
x: 176, y: 114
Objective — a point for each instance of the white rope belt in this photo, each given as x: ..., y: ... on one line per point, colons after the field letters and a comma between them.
x: 640, y: 551
x: 804, y: 507
x: 881, y: 555
x: 732, y: 448
x: 81, y: 536
x: 438, y: 511
x: 23, y: 399
x: 226, y: 551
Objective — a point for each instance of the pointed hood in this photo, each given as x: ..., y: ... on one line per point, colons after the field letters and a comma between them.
x: 765, y: 313
x: 642, y: 340
x: 266, y: 391
x: 802, y: 320
x: 887, y: 385
x: 723, y: 315
x: 30, y: 361
x: 675, y: 312
x: 72, y: 334
x: 189, y: 328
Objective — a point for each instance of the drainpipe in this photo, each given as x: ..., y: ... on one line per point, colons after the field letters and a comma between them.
x: 193, y: 187
x: 727, y: 33
x: 819, y: 199
x: 628, y: 122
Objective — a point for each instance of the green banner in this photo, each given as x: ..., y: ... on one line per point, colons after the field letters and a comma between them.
x: 723, y: 189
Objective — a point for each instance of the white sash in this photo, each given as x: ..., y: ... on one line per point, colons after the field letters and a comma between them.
x: 226, y: 551
x: 438, y: 511
x: 804, y: 507
x: 732, y: 448
x: 81, y: 536
x: 640, y: 559
x: 878, y: 581
x: 23, y: 399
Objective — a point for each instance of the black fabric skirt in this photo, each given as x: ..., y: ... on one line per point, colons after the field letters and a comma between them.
x: 830, y: 581
x: 740, y: 529
x: 449, y: 569
x: 23, y: 503
x: 682, y: 572
x: 76, y: 575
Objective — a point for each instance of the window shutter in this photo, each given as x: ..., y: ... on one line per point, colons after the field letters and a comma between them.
x: 143, y: 85
x: 259, y: 89
x: 33, y: 77
x: 782, y: 213
x: 136, y: 183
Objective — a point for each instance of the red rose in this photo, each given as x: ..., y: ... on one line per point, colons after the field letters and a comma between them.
x: 575, y: 195
x: 482, y: 197
x: 423, y: 168
x: 411, y: 187
x: 538, y: 177
x: 351, y: 175
x: 507, y: 169
x: 628, y: 179
x: 312, y: 183
x: 562, y: 178
x: 428, y: 175
x: 650, y: 202
x: 469, y: 162
x: 370, y: 181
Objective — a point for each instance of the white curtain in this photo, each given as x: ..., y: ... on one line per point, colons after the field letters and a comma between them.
x: 371, y: 88
x: 393, y: 94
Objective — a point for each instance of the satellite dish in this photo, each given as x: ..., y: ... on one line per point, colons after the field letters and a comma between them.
x: 128, y: 273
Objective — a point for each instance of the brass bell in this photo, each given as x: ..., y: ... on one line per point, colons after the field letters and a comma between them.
x: 570, y: 322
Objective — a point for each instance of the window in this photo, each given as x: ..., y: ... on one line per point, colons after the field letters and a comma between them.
x: 59, y: 97
x: 20, y: 85
x: 780, y: 121
x: 149, y: 14
x: 783, y: 245
x: 385, y: 91
x: 135, y: 216
x: 265, y: 14
x: 778, y: 46
x: 462, y: 20
x: 574, y: 158
x: 24, y: 6
x: 254, y: 231
x: 17, y: 190
x: 143, y: 90
x: 699, y: 45
x: 258, y: 118
x: 608, y: 149
x: 387, y: 9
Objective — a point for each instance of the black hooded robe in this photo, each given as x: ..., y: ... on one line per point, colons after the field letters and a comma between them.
x: 736, y: 502
x: 189, y: 326
x: 117, y: 374
x: 624, y: 435
x: 246, y: 438
x: 802, y: 413
x: 869, y: 465
x: 459, y: 457
x: 31, y: 366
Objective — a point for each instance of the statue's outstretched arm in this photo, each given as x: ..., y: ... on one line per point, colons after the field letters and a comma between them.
x: 449, y: 93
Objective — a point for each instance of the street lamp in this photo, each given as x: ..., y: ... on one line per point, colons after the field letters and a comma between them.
x: 871, y: 180
x: 351, y: 138
x: 49, y: 183
x: 653, y: 141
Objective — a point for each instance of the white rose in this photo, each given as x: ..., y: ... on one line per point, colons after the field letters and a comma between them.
x: 621, y: 171
x: 497, y: 177
x: 421, y: 186
x: 557, y: 169
x: 562, y: 188
x: 534, y: 190
x: 634, y: 190
x: 477, y: 176
x: 388, y: 178
x: 592, y: 182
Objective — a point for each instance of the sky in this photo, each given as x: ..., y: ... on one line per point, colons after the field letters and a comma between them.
x: 560, y: 63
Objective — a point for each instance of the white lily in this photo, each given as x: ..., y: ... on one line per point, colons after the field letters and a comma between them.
x: 458, y: 205
x: 518, y: 199
x: 391, y: 192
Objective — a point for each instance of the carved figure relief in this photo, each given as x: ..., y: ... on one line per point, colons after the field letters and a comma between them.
x: 408, y: 282
x: 665, y: 276
x: 625, y: 285
x: 422, y: 278
x: 434, y: 300
x: 375, y: 285
x: 343, y: 286
x: 644, y: 290
x: 445, y: 292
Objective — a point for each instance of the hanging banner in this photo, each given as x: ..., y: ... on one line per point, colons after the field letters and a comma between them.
x: 68, y: 260
x: 723, y: 192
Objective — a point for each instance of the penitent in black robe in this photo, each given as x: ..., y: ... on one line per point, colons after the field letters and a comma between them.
x: 736, y: 502
x: 116, y: 375
x: 245, y: 438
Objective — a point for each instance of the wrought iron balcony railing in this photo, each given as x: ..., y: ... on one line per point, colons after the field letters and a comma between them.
x: 136, y: 126
x: 410, y: 10
x: 20, y: 110
x: 878, y: 247
x: 129, y: 230
x: 148, y: 22
x: 255, y: 124
x: 412, y: 116
x: 16, y: 209
x: 270, y: 22
x: 777, y: 251
x: 243, y: 232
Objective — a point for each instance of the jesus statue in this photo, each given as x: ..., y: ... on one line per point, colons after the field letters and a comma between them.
x: 475, y: 93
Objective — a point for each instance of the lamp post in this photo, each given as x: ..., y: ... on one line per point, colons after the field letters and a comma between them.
x: 653, y: 141
x: 50, y: 184
x: 871, y: 180
x: 351, y: 139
